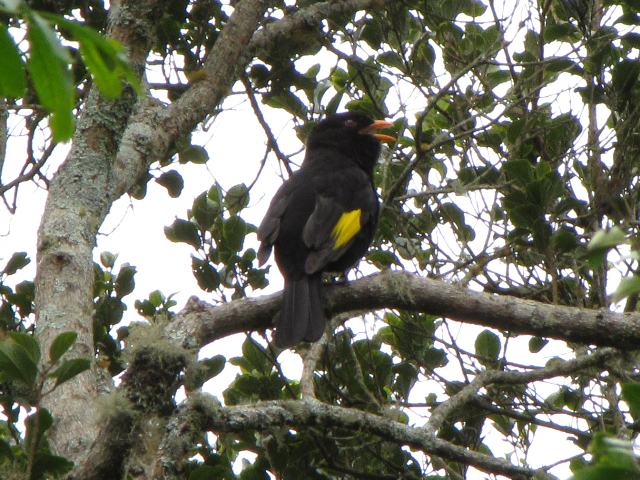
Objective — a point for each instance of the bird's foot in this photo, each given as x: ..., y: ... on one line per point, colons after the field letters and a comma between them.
x: 339, y: 279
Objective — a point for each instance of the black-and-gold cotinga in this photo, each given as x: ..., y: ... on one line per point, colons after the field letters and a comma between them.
x: 322, y: 219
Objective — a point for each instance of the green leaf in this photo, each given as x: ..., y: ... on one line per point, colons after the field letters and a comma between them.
x: 5, y: 451
x: 215, y: 193
x: 614, y: 453
x: 433, y: 358
x: 628, y: 286
x: 234, y: 231
x: 286, y: 101
x: 334, y: 103
x: 372, y: 33
x: 38, y: 423
x: 125, y: 282
x: 28, y: 343
x: 236, y: 198
x: 23, y: 297
x: 145, y: 308
x: 69, y: 369
x: 11, y: 6
x: 383, y: 258
x: 16, y: 363
x: 17, y: 261
x: 205, y: 211
x: 172, y: 181
x: 339, y: 79
x: 392, y: 59
x: 473, y: 8
x: 48, y: 66
x: 496, y: 77
x: 624, y: 76
x: 318, y: 92
x: 61, y: 344
x: 253, y: 471
x: 519, y: 171
x: 214, y: 365
x: 13, y: 80
x: 562, y: 64
x: 108, y: 259
x: 564, y: 32
x: 194, y: 154
x: 363, y: 105
x: 451, y: 213
x: 603, y: 472
x: 603, y: 240
x: 487, y: 346
x: 156, y: 298
x: 206, y: 275
x: 185, y: 232
x: 204, y: 472
x: 254, y: 358
x: 564, y: 240
x: 537, y: 343
x: 422, y: 60
x: 48, y: 464
x: 104, y: 57
x: 631, y: 40
x: 631, y: 395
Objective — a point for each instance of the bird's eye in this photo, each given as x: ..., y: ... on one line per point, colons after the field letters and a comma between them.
x: 350, y: 123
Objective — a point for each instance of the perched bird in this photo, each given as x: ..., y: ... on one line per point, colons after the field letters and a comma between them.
x: 322, y: 219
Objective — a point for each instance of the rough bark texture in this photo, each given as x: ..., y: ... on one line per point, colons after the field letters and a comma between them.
x: 76, y: 206
x: 203, y: 413
x: 64, y: 282
x: 200, y: 323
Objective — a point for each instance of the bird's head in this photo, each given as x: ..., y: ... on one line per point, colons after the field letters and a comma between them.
x: 354, y: 134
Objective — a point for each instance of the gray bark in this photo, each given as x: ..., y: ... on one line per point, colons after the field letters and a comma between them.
x: 200, y: 323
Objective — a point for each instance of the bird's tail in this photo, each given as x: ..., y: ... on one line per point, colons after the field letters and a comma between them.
x: 302, y: 316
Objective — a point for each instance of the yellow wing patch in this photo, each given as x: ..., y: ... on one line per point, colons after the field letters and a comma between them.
x: 347, y: 226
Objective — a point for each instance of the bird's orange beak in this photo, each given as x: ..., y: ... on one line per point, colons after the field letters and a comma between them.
x: 377, y: 125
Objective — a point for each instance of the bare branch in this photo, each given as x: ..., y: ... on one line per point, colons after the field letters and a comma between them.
x: 271, y: 139
x: 4, y: 116
x: 470, y: 392
x: 306, y: 413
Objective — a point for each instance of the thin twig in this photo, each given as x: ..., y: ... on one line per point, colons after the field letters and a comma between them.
x: 272, y: 142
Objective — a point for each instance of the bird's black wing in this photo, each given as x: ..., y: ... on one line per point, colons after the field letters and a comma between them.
x: 270, y: 227
x: 338, y: 217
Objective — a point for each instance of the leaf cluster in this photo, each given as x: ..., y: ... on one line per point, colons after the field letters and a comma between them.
x: 25, y: 379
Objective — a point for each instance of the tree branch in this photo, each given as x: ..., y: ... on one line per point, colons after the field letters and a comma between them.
x: 4, y: 136
x: 204, y: 413
x: 155, y: 129
x: 200, y: 323
x: 487, y: 377
x: 275, y: 33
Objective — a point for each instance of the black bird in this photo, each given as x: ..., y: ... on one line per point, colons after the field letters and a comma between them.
x: 322, y: 219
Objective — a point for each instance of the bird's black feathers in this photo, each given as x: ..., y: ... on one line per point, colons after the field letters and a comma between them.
x: 301, y: 316
x: 322, y: 219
